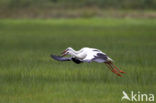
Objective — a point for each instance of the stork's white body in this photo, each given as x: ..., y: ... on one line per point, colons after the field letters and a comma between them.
x: 86, y: 54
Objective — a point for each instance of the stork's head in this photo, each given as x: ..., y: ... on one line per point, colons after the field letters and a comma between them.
x: 67, y: 51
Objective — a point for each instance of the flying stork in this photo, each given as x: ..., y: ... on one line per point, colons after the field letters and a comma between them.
x: 87, y: 54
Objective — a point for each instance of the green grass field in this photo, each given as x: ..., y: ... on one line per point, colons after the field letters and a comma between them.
x: 29, y: 75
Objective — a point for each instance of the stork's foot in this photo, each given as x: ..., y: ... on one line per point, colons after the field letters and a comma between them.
x: 122, y: 71
x: 116, y: 72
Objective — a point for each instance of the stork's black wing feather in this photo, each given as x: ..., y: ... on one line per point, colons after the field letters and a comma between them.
x: 77, y: 61
x: 100, y: 58
x: 60, y: 58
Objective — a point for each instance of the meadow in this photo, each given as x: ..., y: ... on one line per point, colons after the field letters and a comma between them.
x: 29, y: 75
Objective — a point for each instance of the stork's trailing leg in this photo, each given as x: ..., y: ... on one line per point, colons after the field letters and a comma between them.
x: 117, y: 68
x: 112, y: 69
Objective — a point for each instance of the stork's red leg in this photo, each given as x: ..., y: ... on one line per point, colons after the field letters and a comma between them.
x: 117, y: 68
x: 109, y: 67
x: 113, y: 69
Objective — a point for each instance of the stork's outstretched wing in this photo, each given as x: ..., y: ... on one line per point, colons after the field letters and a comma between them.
x: 60, y: 58
x: 100, y: 58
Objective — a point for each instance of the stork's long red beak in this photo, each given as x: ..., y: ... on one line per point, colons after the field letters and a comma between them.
x: 64, y: 53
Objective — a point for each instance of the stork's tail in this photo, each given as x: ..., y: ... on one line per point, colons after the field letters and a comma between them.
x: 109, y: 59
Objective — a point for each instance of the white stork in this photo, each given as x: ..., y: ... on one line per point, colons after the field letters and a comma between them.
x: 87, y: 54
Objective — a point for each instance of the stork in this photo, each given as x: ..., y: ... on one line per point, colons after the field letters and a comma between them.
x: 87, y: 54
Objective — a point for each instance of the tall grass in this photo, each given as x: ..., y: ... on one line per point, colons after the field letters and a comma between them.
x: 28, y: 74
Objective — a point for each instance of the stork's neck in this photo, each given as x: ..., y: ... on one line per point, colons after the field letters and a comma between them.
x: 75, y: 52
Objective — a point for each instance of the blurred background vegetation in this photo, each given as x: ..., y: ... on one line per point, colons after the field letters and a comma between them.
x: 31, y: 30
x: 77, y: 8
